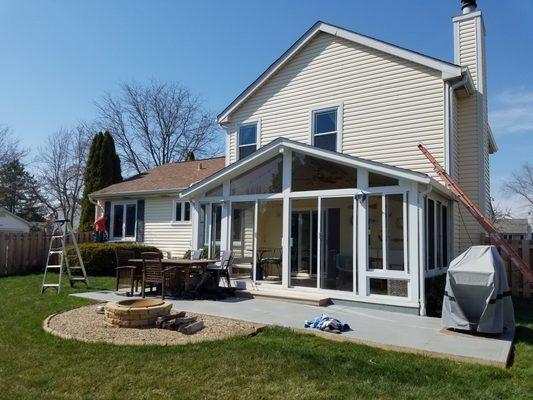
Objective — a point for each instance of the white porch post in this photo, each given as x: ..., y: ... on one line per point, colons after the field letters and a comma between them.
x: 225, y: 219
x: 195, y: 222
x: 413, y: 242
x: 285, y: 241
x: 421, y: 255
x: 362, y: 235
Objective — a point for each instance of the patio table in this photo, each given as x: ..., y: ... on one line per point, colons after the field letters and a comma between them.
x: 184, y: 264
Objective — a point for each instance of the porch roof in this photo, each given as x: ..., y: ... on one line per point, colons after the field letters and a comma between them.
x: 277, y: 146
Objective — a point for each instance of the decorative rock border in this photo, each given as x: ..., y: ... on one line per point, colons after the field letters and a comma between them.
x: 86, y: 325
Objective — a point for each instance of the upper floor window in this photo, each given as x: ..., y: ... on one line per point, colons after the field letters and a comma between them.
x: 247, y: 140
x: 182, y: 211
x: 325, y: 129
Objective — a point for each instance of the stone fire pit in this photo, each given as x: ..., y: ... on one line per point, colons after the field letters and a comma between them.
x: 135, y: 313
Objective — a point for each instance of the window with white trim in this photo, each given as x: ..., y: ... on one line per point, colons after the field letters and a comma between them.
x: 386, y: 233
x: 182, y: 211
x: 325, y: 129
x: 247, y: 140
x: 123, y: 221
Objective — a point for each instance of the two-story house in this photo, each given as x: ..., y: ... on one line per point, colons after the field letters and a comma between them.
x: 324, y: 188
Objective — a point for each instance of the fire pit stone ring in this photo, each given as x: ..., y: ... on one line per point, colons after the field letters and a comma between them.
x: 138, y: 313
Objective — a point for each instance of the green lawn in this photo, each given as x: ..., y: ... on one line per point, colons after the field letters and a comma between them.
x: 276, y: 363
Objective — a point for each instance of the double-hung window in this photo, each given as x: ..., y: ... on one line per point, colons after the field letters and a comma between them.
x: 123, y: 221
x: 182, y: 212
x: 247, y: 140
x: 325, y: 129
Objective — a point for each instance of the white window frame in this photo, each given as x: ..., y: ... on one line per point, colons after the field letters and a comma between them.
x: 182, y: 220
x: 338, y: 107
x: 385, y: 272
x: 257, y: 124
x: 124, y: 238
x: 438, y: 263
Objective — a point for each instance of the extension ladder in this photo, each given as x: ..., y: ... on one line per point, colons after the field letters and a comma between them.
x: 479, y: 217
x: 57, y: 257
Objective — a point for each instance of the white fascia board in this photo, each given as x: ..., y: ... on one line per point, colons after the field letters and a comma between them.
x: 278, y: 145
x: 441, y: 189
x: 137, y: 193
x: 448, y: 70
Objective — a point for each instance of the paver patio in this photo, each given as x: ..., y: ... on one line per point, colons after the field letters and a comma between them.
x: 385, y: 329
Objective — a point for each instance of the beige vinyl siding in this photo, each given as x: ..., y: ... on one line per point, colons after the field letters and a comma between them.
x: 472, y: 133
x: 159, y: 230
x: 388, y: 104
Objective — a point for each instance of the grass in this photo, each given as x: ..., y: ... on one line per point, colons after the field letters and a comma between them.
x: 277, y: 363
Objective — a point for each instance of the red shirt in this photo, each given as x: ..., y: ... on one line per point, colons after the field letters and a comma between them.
x: 100, y: 225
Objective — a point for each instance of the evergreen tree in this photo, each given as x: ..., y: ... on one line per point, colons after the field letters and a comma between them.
x: 103, y: 169
x: 17, y: 191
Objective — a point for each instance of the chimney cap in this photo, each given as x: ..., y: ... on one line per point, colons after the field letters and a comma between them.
x: 468, y: 6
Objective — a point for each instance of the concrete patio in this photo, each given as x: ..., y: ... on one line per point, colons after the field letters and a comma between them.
x: 384, y: 329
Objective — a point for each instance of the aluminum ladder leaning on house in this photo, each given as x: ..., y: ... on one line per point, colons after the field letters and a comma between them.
x: 61, y: 230
x: 491, y: 230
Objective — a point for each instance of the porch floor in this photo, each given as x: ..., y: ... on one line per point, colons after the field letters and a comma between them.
x: 384, y: 329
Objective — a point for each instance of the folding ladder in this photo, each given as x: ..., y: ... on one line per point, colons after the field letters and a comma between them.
x: 57, y: 257
x: 479, y: 217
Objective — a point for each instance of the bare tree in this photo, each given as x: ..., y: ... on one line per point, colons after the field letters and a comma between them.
x: 498, y: 212
x: 157, y: 124
x: 61, y: 166
x: 9, y: 146
x: 521, y: 183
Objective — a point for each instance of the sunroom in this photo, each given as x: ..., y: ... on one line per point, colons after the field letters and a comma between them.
x: 306, y: 219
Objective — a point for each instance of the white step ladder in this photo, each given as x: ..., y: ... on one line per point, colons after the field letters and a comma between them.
x: 57, y: 257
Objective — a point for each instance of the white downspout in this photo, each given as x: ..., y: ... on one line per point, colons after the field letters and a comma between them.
x: 448, y: 133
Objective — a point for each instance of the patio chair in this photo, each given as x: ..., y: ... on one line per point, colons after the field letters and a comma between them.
x: 196, y: 254
x: 268, y: 259
x: 126, y: 271
x: 154, y: 274
x: 222, y: 267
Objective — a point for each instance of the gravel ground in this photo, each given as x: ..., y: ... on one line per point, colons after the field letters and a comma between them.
x: 86, y: 325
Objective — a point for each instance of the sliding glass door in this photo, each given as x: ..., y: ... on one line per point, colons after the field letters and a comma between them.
x: 303, y: 242
x: 337, y: 244
x: 210, y: 228
x: 242, y: 238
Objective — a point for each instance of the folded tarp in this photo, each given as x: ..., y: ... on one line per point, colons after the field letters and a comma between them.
x: 477, y: 296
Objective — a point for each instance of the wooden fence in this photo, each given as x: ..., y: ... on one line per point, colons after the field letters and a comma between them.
x: 519, y: 286
x: 27, y: 252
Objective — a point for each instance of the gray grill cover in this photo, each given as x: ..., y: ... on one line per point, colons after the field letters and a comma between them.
x: 477, y: 296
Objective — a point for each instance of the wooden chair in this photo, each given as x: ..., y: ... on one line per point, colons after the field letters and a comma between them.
x: 125, y: 270
x: 155, y: 275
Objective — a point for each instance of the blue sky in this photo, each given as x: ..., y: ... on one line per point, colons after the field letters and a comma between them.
x: 58, y: 57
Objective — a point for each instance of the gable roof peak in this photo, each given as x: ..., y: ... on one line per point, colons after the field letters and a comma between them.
x: 447, y: 69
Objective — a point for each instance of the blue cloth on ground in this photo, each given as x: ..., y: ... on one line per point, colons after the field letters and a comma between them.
x: 327, y: 324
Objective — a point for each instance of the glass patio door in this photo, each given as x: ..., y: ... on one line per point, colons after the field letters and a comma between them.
x: 210, y: 228
x: 303, y: 242
x: 337, y: 243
